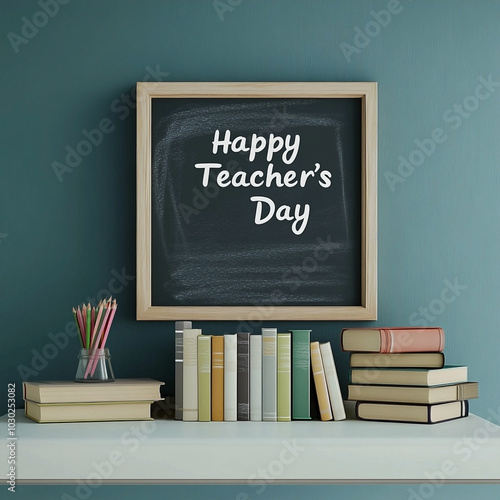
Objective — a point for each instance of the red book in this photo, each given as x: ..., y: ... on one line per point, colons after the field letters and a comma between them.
x: 389, y: 340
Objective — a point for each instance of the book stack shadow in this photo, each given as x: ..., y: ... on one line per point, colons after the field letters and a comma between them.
x: 400, y: 375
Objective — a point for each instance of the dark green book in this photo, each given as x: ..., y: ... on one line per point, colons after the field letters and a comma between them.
x: 301, y: 380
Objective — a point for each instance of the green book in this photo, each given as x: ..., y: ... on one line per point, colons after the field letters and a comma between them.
x: 284, y: 378
x: 204, y: 377
x: 301, y: 377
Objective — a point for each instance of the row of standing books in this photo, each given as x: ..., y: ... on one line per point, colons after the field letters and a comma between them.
x: 400, y: 375
x: 249, y: 377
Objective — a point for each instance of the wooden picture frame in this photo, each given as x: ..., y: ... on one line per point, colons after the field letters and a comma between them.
x: 163, y: 94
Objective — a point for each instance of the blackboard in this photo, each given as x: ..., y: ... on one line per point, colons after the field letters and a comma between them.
x: 257, y: 203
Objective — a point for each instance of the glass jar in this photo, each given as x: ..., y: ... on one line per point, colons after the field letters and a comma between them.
x: 94, y: 365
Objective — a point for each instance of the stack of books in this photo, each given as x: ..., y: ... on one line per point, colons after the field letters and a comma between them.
x: 248, y: 377
x: 400, y: 375
x: 69, y: 401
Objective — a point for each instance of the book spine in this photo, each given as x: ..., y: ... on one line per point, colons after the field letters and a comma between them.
x: 178, y: 375
x: 361, y: 406
x: 396, y: 360
x: 269, y: 373
x: 413, y: 394
x: 404, y: 339
x: 204, y: 377
x: 243, y: 376
x: 465, y: 408
x: 332, y: 382
x: 325, y: 409
x: 179, y: 328
x: 256, y: 377
x: 464, y: 412
x: 467, y: 390
x: 218, y: 378
x: 301, y: 380
x: 394, y: 340
x: 284, y: 377
x: 190, y: 374
x: 230, y: 377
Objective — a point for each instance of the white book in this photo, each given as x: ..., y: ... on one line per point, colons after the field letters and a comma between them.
x: 190, y: 374
x: 332, y: 381
x: 269, y: 374
x: 256, y: 377
x: 230, y: 377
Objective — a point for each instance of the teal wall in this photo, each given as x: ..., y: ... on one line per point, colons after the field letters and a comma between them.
x: 64, y: 238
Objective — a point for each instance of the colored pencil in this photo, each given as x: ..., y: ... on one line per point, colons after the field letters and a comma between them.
x: 97, y: 340
x: 78, y: 327
x: 87, y: 325
x: 93, y: 325
x: 105, y: 336
x: 108, y: 325
x: 80, y: 322
x: 97, y: 323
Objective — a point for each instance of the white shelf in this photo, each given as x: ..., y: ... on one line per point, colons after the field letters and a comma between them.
x: 167, y: 451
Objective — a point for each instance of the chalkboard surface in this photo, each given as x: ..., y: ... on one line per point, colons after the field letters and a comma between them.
x: 256, y: 201
x: 207, y: 248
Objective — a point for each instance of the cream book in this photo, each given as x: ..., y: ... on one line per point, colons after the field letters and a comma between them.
x: 88, y: 412
x: 204, y: 378
x: 396, y: 360
x: 230, y: 377
x: 325, y: 409
x: 414, y: 413
x: 256, y: 377
x: 190, y: 374
x: 408, y: 394
x: 409, y: 376
x: 332, y: 381
x: 69, y: 391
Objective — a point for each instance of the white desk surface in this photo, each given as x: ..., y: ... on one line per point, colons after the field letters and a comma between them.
x: 169, y: 451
